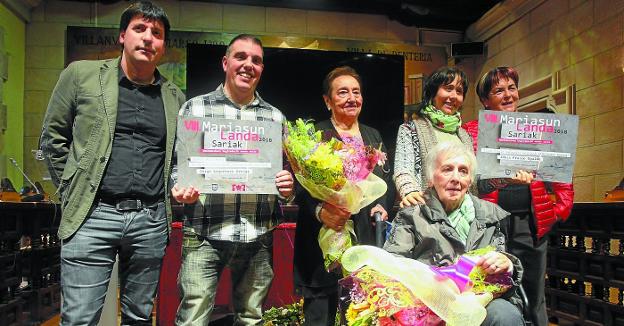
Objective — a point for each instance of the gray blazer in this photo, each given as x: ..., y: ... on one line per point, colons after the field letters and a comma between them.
x: 78, y: 131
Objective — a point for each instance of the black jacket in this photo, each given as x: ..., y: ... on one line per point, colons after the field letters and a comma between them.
x: 308, y: 261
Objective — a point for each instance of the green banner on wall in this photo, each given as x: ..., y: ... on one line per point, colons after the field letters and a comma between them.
x: 90, y: 43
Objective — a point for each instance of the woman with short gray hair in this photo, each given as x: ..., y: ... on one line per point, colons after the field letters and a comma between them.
x: 453, y: 222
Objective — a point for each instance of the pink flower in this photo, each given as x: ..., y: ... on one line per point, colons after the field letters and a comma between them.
x: 387, y: 321
x: 417, y: 316
x: 359, y: 160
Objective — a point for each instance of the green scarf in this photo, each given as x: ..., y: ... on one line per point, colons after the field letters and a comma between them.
x: 460, y: 218
x: 441, y: 120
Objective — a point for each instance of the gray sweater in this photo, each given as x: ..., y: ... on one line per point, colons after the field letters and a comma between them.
x: 414, y: 141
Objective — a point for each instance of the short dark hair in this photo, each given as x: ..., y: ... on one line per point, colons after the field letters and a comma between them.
x: 442, y: 76
x: 147, y: 10
x: 337, y: 72
x: 247, y: 37
x: 492, y: 77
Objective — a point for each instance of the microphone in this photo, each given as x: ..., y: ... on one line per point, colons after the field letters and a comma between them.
x: 38, y: 196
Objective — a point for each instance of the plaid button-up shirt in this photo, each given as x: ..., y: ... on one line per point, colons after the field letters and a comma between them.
x: 231, y: 217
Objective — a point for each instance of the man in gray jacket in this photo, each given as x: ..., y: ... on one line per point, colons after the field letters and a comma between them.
x: 108, y: 137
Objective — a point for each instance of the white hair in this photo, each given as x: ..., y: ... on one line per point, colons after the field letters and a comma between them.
x: 449, y: 150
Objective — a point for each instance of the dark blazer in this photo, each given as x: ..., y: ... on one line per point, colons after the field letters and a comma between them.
x: 308, y: 261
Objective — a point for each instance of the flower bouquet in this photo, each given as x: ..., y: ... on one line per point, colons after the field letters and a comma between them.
x: 390, y: 290
x: 377, y: 299
x: 289, y: 315
x: 482, y: 282
x: 336, y: 172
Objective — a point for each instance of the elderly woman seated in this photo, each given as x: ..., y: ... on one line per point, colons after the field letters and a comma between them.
x: 453, y: 222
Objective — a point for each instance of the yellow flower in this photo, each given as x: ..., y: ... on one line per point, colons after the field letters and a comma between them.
x: 359, y: 306
x: 351, y: 313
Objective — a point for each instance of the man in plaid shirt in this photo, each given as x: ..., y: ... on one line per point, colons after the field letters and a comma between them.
x: 233, y: 230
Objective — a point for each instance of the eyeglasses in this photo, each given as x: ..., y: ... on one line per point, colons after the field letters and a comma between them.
x: 343, y: 93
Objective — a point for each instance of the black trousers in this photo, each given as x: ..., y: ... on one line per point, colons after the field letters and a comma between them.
x: 520, y: 243
x: 320, y: 306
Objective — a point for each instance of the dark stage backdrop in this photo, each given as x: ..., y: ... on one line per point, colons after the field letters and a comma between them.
x: 292, y: 82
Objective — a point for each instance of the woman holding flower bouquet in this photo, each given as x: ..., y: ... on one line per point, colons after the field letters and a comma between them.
x: 452, y: 223
x: 439, y: 120
x: 342, y: 94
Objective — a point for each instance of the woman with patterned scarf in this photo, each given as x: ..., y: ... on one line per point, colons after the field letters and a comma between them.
x: 438, y: 121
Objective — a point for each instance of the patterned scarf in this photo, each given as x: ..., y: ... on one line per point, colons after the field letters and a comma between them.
x: 441, y: 120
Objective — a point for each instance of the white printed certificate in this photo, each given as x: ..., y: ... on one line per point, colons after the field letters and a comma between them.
x: 543, y: 143
x: 229, y: 156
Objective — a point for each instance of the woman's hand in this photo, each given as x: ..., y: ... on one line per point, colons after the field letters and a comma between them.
x: 412, y: 199
x: 495, y: 263
x: 522, y: 177
x: 284, y: 183
x: 380, y: 209
x: 334, y: 217
x: 184, y: 195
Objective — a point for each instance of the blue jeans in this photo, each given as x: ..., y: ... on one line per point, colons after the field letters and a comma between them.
x: 87, y: 258
x: 203, y: 261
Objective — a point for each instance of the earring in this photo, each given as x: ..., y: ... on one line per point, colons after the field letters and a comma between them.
x: 328, y: 108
